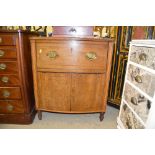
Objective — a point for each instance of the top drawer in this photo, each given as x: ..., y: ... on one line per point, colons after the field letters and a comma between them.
x: 73, y: 30
x: 143, y: 55
x: 72, y: 55
x: 7, y: 40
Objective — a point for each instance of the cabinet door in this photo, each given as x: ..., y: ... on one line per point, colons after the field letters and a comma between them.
x: 87, y: 93
x: 54, y: 91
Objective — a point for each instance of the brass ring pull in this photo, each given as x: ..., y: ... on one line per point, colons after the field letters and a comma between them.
x: 0, y: 40
x: 91, y: 55
x: 134, y: 101
x: 142, y: 57
x: 2, y: 53
x: 6, y: 93
x: 5, y: 79
x: 2, y: 66
x: 138, y: 79
x: 52, y: 54
x: 9, y: 107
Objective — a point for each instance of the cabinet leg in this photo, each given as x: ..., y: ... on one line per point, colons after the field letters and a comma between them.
x: 101, y: 116
x: 39, y: 115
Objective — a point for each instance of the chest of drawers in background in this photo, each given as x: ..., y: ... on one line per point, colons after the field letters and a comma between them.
x: 71, y: 74
x: 138, y: 102
x: 16, y: 83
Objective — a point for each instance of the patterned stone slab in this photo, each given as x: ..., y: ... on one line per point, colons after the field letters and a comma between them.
x: 143, y: 55
x: 128, y: 118
x: 140, y: 104
x: 142, y: 79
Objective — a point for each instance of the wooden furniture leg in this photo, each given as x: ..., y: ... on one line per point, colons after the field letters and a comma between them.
x: 39, y: 115
x: 102, y: 116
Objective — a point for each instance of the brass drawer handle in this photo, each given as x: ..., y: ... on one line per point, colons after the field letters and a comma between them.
x: 138, y: 79
x: 3, y: 66
x: 2, y: 53
x: 143, y: 57
x: 6, y: 93
x: 0, y: 40
x: 9, y: 107
x: 52, y: 54
x: 5, y: 79
x: 91, y: 55
x: 134, y: 101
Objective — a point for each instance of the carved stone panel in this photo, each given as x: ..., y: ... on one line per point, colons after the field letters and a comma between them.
x: 142, y: 79
x: 140, y: 104
x: 143, y: 55
x: 128, y: 118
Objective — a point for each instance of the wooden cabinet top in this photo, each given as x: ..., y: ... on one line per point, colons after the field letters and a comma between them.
x: 72, y: 38
x: 17, y: 31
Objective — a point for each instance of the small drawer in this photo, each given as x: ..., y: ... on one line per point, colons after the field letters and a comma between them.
x: 9, y: 80
x: 10, y: 93
x: 7, y: 40
x: 8, y: 53
x: 8, y: 67
x: 128, y: 118
x: 11, y: 106
x: 142, y: 79
x: 143, y: 55
x: 73, y: 55
x: 140, y: 104
x: 73, y: 30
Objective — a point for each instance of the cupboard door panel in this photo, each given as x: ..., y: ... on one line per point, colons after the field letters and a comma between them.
x: 54, y: 91
x: 87, y: 92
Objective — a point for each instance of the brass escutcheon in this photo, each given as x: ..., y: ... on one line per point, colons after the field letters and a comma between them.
x: 91, y: 55
x: 9, y: 107
x: 52, y: 54
x: 6, y: 93
x: 2, y: 53
x: 2, y: 66
x: 5, y: 79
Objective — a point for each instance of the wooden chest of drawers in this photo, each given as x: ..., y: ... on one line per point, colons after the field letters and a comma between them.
x: 16, y: 83
x: 71, y: 74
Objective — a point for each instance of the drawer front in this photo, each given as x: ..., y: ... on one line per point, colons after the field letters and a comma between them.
x: 72, y: 55
x: 11, y: 106
x: 8, y: 53
x: 142, y: 79
x: 10, y: 93
x: 143, y: 55
x: 7, y: 40
x: 9, y: 80
x: 128, y: 118
x: 140, y: 104
x: 73, y: 30
x: 8, y: 67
